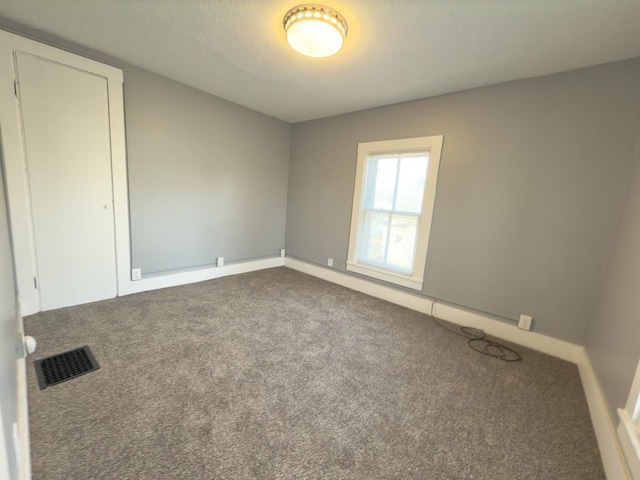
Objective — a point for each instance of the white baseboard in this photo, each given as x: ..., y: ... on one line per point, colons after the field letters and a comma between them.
x: 414, y: 302
x: 193, y: 276
x: 615, y: 465
x: 536, y: 341
x: 24, y: 447
x: 23, y: 422
x: 4, y: 459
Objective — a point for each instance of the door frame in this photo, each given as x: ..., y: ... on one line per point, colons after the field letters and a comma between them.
x: 15, y: 166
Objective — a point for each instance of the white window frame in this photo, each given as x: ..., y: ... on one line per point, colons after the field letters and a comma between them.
x: 629, y: 427
x: 433, y: 145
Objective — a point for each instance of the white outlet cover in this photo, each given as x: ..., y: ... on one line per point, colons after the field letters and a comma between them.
x: 330, y: 262
x: 220, y: 262
x: 525, y: 322
x: 136, y: 274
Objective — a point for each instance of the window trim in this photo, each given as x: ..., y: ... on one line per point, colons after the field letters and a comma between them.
x: 629, y: 427
x: 434, y: 145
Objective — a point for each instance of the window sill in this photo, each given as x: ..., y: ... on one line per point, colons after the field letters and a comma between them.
x: 630, y: 442
x: 385, y: 275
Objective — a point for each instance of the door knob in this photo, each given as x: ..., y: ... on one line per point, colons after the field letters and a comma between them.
x: 30, y: 344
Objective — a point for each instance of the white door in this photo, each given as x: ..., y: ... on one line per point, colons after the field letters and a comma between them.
x: 65, y: 119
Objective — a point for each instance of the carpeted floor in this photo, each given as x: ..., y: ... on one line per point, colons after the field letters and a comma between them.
x: 278, y: 375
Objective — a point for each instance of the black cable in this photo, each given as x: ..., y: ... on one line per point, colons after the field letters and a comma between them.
x: 476, y: 339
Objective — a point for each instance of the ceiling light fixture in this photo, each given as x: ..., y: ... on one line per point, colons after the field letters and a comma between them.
x: 315, y: 30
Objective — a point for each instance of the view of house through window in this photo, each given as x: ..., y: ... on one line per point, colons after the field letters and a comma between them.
x: 393, y: 203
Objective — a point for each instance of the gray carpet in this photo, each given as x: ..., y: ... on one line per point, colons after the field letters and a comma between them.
x: 279, y: 375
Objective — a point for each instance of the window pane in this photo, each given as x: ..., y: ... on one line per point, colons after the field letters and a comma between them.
x: 374, y: 237
x: 413, y: 172
x: 385, y: 182
x: 389, y: 227
x: 402, y: 242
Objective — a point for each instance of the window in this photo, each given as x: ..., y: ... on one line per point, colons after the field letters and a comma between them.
x: 392, y: 208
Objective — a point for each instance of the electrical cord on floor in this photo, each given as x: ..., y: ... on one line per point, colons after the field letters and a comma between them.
x: 476, y: 339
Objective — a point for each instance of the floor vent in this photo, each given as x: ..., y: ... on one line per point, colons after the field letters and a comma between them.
x: 64, y: 366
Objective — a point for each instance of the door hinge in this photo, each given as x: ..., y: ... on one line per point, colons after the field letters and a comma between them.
x: 35, y: 283
x: 16, y: 89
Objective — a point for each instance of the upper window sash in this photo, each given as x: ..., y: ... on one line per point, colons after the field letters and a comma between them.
x: 371, y: 176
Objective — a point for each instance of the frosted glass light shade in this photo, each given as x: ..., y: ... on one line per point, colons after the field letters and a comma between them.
x: 315, y: 30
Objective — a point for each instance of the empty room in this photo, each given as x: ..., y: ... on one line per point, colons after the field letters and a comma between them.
x: 365, y: 239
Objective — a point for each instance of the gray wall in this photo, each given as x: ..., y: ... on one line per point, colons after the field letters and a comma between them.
x: 8, y: 330
x: 614, y: 328
x: 207, y: 178
x: 532, y: 180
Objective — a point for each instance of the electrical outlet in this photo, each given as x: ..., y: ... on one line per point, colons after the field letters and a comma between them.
x: 136, y: 274
x: 220, y: 262
x: 525, y: 322
x: 330, y: 262
x: 282, y: 253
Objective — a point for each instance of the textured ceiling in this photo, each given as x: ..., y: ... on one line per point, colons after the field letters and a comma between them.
x: 395, y: 51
